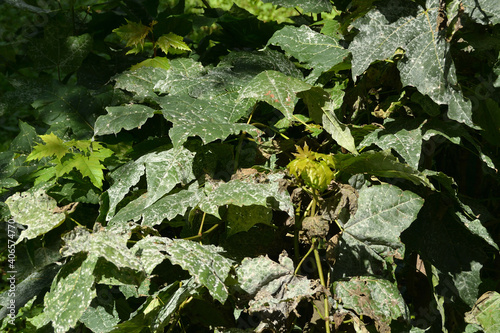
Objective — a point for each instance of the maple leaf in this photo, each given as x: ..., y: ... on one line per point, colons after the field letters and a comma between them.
x: 88, y: 166
x: 134, y: 34
x: 172, y: 40
x: 53, y: 146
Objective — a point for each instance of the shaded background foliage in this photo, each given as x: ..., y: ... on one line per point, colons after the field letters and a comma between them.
x: 152, y: 189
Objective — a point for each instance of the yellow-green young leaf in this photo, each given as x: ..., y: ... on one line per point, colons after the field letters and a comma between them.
x: 169, y: 40
x: 134, y: 34
x: 53, y: 146
x: 100, y: 152
x: 88, y: 166
x: 157, y: 62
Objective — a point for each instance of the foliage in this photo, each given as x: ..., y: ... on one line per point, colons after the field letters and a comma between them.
x: 267, y: 166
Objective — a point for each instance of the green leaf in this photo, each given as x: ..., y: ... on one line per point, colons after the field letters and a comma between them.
x: 169, y: 40
x: 99, y: 320
x: 319, y: 52
x: 25, y: 140
x: 156, y: 62
x: 428, y: 66
x: 380, y: 164
x: 204, y: 262
x: 312, y: 6
x: 240, y: 193
x: 339, y: 132
x: 59, y: 51
x: 243, y: 218
x: 183, y: 75
x: 486, y: 312
x: 209, y: 119
x: 151, y: 251
x: 163, y: 170
x: 71, y: 293
x: 276, y: 290
x: 52, y: 147
x: 140, y: 81
x: 122, y: 117
x: 373, y: 233
x: 88, y: 166
x: 108, y: 244
x: 276, y: 89
x: 134, y: 34
x: 482, y: 11
x: 171, y: 206
x: 404, y: 136
x: 36, y: 210
x: 375, y: 298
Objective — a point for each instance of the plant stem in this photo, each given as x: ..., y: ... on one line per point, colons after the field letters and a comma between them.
x: 304, y: 258
x: 322, y: 280
x: 200, y: 231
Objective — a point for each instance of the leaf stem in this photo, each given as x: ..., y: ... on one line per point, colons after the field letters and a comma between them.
x: 203, y: 234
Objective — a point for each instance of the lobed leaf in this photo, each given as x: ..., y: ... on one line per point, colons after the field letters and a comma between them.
x: 404, y: 136
x: 108, y: 244
x: 378, y: 299
x: 210, y: 119
x: 36, y: 210
x: 399, y: 24
x: 122, y: 117
x: 276, y: 89
x: 70, y: 294
x: 318, y: 51
x: 205, y: 263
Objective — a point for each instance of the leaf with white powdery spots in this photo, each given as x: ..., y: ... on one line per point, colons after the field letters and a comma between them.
x: 205, y: 263
x: 376, y: 298
x: 319, y: 51
x: 122, y: 117
x: 36, y: 210
x: 312, y: 6
x: 141, y: 81
x: 405, y: 137
x: 240, y: 193
x: 108, y: 244
x: 209, y: 119
x: 276, y: 89
x: 428, y: 66
x: 373, y: 233
x: 70, y: 293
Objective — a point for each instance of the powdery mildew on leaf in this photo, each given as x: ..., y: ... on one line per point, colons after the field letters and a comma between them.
x: 318, y: 51
x: 482, y: 11
x: 36, y: 210
x: 240, y: 193
x: 376, y: 298
x: 122, y: 117
x: 71, y: 293
x: 163, y: 170
x: 276, y: 89
x: 141, y: 81
x: 151, y: 250
x: 373, y: 233
x: 427, y: 65
x: 210, y: 119
x: 99, y: 320
x: 313, y: 6
x: 276, y: 290
x: 108, y: 244
x: 204, y: 262
x: 404, y: 137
